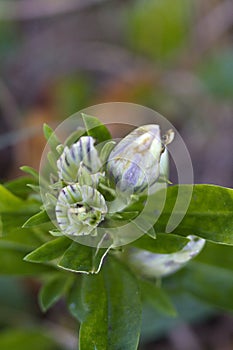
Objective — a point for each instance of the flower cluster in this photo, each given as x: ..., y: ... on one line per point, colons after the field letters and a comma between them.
x: 87, y: 174
x: 80, y: 206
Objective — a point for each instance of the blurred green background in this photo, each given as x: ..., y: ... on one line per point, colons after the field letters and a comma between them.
x: 57, y: 57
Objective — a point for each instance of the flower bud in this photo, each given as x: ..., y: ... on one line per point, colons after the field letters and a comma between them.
x: 157, y: 265
x: 80, y: 154
x: 134, y: 162
x: 79, y: 210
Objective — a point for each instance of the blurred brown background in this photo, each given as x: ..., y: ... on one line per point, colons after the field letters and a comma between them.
x: 175, y: 56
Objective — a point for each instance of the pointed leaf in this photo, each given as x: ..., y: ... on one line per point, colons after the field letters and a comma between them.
x: 96, y: 129
x: 29, y: 170
x: 113, y: 309
x: 84, y: 259
x: 49, y: 251
x: 210, y: 214
x: 37, y: 219
x: 12, y: 263
x: 51, y: 138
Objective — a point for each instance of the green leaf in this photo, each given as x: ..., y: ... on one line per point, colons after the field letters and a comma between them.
x: 27, y: 339
x: 113, y: 309
x: 12, y: 231
x: 22, y: 238
x: 217, y: 255
x: 51, y: 138
x: 210, y: 214
x: 49, y: 251
x: 53, y: 290
x: 81, y: 258
x: 209, y: 283
x: 157, y: 297
x: 74, y: 300
x: 8, y: 201
x: 12, y: 263
x: 20, y: 186
x: 29, y: 170
x: 37, y: 219
x: 96, y: 129
x: 165, y: 243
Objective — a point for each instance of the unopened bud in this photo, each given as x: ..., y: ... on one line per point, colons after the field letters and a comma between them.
x: 134, y: 162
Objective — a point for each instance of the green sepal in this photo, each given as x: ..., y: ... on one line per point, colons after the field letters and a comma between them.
x: 106, y: 150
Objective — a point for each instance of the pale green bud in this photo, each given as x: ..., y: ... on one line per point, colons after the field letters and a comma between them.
x: 79, y: 210
x: 157, y: 265
x: 81, y: 154
x: 134, y: 162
